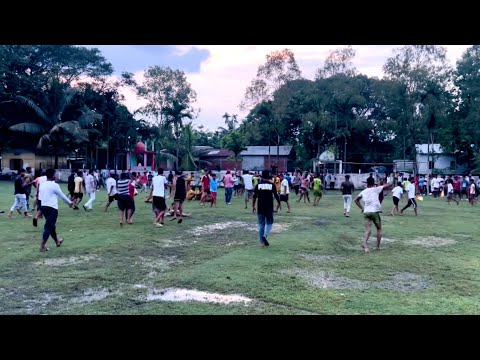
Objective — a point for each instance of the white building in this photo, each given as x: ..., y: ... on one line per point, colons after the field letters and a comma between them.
x: 443, y: 162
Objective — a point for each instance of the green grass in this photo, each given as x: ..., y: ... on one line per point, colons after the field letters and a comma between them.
x: 402, y: 278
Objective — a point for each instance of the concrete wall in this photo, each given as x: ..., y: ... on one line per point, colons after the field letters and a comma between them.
x: 358, y: 180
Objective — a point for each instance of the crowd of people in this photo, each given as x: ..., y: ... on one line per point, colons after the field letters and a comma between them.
x: 262, y: 188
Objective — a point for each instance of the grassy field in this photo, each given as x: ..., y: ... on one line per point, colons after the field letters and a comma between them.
x: 428, y: 265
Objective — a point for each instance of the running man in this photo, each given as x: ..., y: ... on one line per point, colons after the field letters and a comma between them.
x: 49, y: 193
x: 396, y: 196
x: 79, y: 188
x: 159, y: 183
x: 111, y: 189
x: 371, y: 210
x: 411, y: 198
x: 347, y: 189
x: 450, y: 192
x: 20, y: 202
x: 179, y: 195
x: 317, y: 190
x: 90, y: 189
x: 284, y: 192
x: 265, y: 192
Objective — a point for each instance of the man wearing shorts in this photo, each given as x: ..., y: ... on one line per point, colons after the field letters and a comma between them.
x: 111, y: 189
x: 396, y: 196
x: 371, y: 210
x: 411, y: 198
x: 248, y: 181
x: 179, y: 195
x: 284, y: 192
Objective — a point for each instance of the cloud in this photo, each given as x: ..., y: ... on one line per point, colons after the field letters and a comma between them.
x: 224, y: 75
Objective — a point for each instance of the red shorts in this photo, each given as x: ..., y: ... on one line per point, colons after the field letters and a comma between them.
x: 214, y: 194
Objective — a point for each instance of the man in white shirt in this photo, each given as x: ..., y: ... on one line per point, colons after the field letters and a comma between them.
x: 50, y: 192
x: 90, y: 188
x: 450, y: 192
x: 472, y: 191
x: 158, y: 194
x: 371, y: 210
x: 284, y: 191
x: 248, y: 182
x: 111, y: 189
x: 396, y: 196
x: 411, y: 198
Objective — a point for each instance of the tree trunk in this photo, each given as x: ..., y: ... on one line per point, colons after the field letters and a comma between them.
x: 278, y: 150
x: 56, y: 161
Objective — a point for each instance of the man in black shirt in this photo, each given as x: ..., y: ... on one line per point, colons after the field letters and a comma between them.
x: 347, y: 188
x: 71, y: 184
x: 264, y: 192
x: 179, y: 195
x: 20, y: 196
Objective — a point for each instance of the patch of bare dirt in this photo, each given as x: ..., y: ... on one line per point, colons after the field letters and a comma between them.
x: 432, y: 241
x: 321, y: 258
x: 35, y: 306
x: 91, y: 295
x: 404, y: 282
x: 72, y: 260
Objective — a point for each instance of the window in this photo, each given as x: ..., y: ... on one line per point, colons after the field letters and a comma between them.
x: 452, y: 165
x: 431, y: 165
x: 16, y: 164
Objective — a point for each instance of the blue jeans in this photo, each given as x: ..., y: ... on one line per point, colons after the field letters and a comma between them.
x: 228, y: 194
x: 265, y: 223
x: 49, y: 228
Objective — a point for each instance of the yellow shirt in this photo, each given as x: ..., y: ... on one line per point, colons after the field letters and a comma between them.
x: 78, y: 185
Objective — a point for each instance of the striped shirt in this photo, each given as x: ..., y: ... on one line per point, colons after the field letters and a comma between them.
x: 122, y: 187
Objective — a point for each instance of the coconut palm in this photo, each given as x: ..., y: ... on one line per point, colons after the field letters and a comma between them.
x: 230, y: 121
x: 174, y: 115
x: 53, y: 130
x: 189, y: 140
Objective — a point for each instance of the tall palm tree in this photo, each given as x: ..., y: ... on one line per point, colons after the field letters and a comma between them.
x: 174, y: 115
x: 53, y: 130
x: 189, y: 140
x: 230, y: 121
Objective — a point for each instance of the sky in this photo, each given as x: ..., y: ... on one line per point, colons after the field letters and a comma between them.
x: 221, y: 73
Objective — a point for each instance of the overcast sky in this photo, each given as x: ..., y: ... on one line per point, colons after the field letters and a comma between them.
x: 221, y: 73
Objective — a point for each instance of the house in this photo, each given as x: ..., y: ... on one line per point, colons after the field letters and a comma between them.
x: 443, y: 161
x: 258, y: 158
x: 16, y: 159
x: 217, y: 159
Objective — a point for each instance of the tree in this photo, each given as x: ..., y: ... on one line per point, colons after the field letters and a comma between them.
x: 174, y: 115
x: 188, y: 161
x: 161, y: 87
x: 339, y: 61
x: 55, y: 131
x: 417, y: 67
x: 463, y: 134
x: 230, y: 121
x: 234, y: 141
x: 279, y: 68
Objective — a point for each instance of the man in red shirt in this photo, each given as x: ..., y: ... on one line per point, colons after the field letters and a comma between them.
x: 205, y: 187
